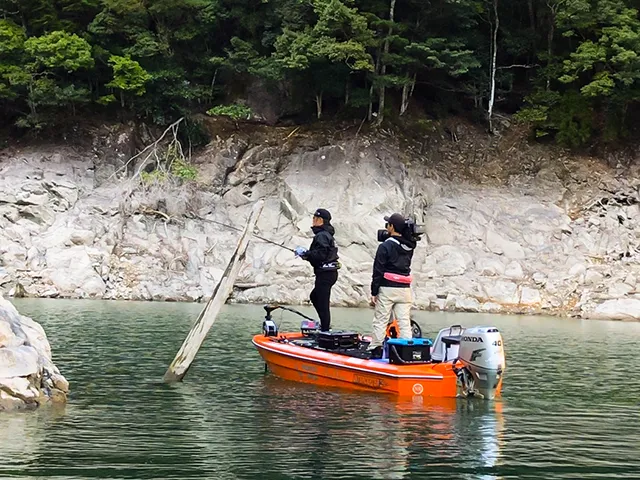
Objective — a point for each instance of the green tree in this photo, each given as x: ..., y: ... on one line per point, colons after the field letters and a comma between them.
x: 128, y: 76
x: 44, y: 75
x: 340, y: 36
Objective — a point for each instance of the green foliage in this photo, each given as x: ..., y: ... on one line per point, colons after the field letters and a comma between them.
x: 567, y: 116
x: 12, y: 38
x: 576, y: 62
x: 173, y: 167
x: 36, y: 70
x: 58, y: 50
x: 154, y: 177
x: 602, y: 64
x: 183, y: 170
x: 128, y: 75
x: 235, y: 111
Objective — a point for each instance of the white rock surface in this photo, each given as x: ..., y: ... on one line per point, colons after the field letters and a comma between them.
x: 28, y: 377
x: 66, y: 231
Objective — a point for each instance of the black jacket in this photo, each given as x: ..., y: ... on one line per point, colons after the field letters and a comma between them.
x: 323, y: 253
x: 393, y: 256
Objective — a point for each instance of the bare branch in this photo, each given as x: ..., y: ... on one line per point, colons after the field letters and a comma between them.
x: 517, y: 66
x: 148, y: 147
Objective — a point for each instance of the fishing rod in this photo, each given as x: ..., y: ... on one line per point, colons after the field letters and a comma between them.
x: 255, y: 235
x: 271, y: 308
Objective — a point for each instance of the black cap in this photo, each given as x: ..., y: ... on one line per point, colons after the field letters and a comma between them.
x: 322, y: 213
x: 397, y: 221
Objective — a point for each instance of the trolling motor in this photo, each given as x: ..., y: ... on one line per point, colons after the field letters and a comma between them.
x: 269, y: 327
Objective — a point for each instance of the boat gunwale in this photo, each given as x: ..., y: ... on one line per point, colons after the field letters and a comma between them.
x: 344, y: 365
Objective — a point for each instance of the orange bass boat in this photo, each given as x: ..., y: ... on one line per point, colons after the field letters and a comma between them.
x: 460, y: 362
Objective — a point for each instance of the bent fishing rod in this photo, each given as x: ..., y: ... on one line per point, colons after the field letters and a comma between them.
x: 255, y: 235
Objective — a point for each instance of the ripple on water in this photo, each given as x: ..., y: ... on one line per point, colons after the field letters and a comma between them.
x: 569, y: 408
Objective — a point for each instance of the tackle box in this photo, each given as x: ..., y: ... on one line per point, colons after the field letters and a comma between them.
x: 409, y: 350
x: 339, y: 339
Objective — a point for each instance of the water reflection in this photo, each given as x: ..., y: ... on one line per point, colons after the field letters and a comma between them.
x: 380, y: 436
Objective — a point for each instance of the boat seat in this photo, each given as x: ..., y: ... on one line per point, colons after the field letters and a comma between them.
x: 451, y: 340
x: 446, y: 345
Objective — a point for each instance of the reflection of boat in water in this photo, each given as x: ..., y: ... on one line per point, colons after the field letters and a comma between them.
x: 461, y: 361
x: 380, y: 436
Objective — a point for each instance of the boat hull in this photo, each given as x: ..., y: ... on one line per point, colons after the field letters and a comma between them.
x: 328, y: 369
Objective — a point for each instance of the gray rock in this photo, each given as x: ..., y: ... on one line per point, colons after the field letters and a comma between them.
x: 66, y: 231
x: 39, y: 214
x: 491, y: 307
x: 593, y: 277
x: 29, y: 198
x: 466, y: 304
x: 620, y: 309
x: 72, y: 272
x: 82, y: 237
x: 539, y: 278
x: 501, y: 291
x: 514, y: 271
x: 489, y: 266
x: 4, y: 276
x: 530, y: 296
x: 20, y: 361
x: 620, y: 290
x: 501, y: 246
x: 12, y: 254
x: 446, y: 261
x: 19, y: 387
x: 7, y: 337
x: 439, y: 231
x: 6, y: 197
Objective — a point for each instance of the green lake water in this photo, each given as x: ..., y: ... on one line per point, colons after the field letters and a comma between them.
x: 570, y: 404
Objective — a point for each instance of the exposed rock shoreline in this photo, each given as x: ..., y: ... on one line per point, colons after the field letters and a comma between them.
x: 28, y: 377
x: 508, y: 230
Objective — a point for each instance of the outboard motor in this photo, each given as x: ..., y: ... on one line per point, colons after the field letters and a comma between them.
x: 482, y: 354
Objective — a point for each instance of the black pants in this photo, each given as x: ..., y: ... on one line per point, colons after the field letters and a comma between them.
x: 321, y: 296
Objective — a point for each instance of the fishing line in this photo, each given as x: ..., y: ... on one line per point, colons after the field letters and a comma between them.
x: 253, y: 234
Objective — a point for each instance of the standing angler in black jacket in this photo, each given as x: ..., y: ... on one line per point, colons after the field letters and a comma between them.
x: 323, y: 256
x: 391, y: 282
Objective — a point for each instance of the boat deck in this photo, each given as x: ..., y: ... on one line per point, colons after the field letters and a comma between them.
x: 285, y: 358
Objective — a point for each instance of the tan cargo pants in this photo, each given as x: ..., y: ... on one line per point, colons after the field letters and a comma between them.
x: 391, y: 299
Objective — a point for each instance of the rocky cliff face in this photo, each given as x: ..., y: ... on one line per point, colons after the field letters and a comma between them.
x: 28, y: 377
x: 509, y: 229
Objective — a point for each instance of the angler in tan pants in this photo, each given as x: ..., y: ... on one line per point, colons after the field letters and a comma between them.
x: 391, y: 282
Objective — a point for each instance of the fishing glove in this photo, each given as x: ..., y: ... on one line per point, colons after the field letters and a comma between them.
x: 300, y: 251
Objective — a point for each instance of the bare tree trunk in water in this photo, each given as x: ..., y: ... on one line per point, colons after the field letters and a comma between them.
x: 494, y: 51
x: 383, y: 67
